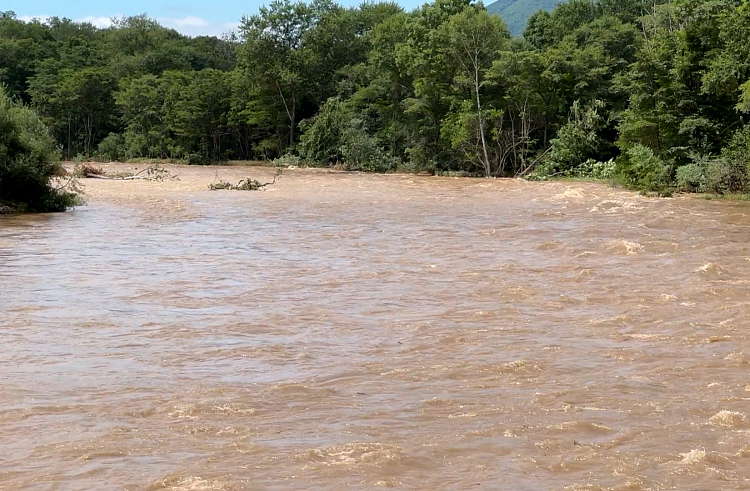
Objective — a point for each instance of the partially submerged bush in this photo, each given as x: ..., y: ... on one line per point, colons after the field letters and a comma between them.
x: 337, y: 137
x: 112, y: 148
x: 640, y: 168
x: 578, y: 144
x: 590, y: 169
x: 362, y: 151
x: 288, y: 160
x: 690, y: 178
x: 28, y: 162
x: 197, y: 159
x: 725, y: 175
x: 730, y: 173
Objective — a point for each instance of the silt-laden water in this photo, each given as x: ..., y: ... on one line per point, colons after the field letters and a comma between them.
x: 356, y: 331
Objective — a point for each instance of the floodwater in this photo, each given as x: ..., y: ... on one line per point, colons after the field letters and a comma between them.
x: 362, y: 331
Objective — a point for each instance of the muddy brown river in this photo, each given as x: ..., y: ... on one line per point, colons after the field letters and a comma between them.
x: 365, y: 331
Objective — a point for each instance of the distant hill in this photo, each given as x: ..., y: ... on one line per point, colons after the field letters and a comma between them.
x: 516, y: 12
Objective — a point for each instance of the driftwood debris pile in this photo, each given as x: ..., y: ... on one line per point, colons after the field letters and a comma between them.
x: 151, y: 173
x: 243, y: 185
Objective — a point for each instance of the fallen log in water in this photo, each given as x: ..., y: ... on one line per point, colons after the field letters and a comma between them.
x: 114, y: 178
x: 152, y: 173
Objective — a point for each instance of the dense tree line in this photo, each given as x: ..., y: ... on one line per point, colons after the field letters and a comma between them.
x: 651, y: 93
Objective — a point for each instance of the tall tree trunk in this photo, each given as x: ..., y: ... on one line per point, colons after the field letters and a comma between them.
x: 486, y: 163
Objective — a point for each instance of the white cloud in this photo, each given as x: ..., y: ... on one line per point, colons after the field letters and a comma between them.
x: 32, y: 18
x: 190, y: 25
x: 100, y: 22
x: 196, y: 26
x: 188, y: 22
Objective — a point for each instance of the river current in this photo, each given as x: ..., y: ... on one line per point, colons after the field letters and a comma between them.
x: 364, y: 331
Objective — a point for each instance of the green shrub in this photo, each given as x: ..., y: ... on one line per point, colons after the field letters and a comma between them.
x: 590, y: 169
x: 336, y: 136
x: 112, y: 148
x: 323, y: 135
x: 724, y: 175
x: 691, y: 178
x: 577, y: 143
x: 361, y: 151
x: 418, y: 159
x: 288, y: 160
x: 738, y: 148
x: 730, y: 173
x: 639, y: 168
x: 197, y: 159
x: 28, y: 162
x: 136, y: 145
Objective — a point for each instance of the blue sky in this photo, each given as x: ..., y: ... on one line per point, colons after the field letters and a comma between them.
x: 192, y: 17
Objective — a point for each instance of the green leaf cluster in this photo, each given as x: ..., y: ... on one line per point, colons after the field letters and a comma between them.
x: 28, y: 162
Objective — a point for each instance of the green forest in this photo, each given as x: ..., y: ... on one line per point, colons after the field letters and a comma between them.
x: 649, y: 94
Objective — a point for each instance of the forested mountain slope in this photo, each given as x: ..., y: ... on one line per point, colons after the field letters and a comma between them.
x: 515, y: 13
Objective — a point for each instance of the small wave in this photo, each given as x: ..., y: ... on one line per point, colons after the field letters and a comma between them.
x: 693, y: 457
x: 711, y: 268
x: 232, y: 409
x: 620, y: 320
x: 716, y: 339
x: 353, y: 454
x: 437, y: 402
x: 728, y: 419
x: 660, y: 337
x: 395, y: 371
x: 586, y: 253
x: 584, y: 426
x: 174, y: 482
x: 570, y: 193
x: 737, y: 357
x: 514, y: 367
x: 614, y: 206
x: 183, y: 411
x: 192, y: 411
x: 625, y: 247
x: 549, y: 245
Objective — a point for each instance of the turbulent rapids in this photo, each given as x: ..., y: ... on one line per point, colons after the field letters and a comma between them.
x: 367, y: 330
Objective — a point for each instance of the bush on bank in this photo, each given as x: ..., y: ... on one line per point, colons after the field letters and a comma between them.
x: 28, y: 162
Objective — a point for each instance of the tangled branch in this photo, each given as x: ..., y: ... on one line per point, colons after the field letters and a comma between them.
x: 244, y: 184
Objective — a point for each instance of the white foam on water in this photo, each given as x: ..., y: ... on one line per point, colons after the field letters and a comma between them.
x: 711, y: 268
x: 353, y: 454
x: 183, y: 411
x: 736, y: 356
x: 625, y: 247
x: 728, y: 419
x: 189, y: 483
x: 614, y: 206
x: 693, y: 457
